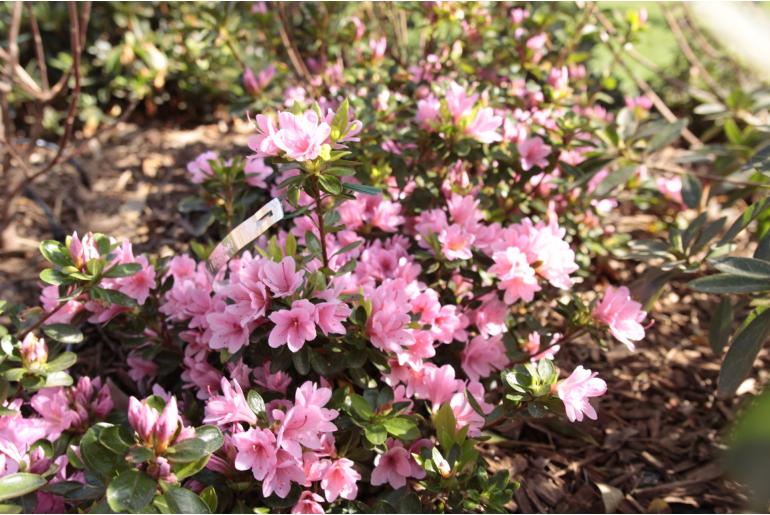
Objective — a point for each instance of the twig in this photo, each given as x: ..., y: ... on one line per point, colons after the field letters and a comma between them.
x: 567, y: 49
x: 663, y: 167
x: 39, y: 52
x: 296, y: 61
x: 644, y: 86
x: 686, y: 49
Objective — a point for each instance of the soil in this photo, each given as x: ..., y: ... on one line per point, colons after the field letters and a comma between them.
x: 655, y: 448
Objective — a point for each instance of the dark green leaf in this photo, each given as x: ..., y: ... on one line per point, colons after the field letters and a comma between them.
x: 742, y: 353
x: 691, y: 191
x: 729, y: 283
x: 362, y: 188
x: 211, y: 436
x: 131, y: 491
x: 191, y: 449
x: 744, y: 266
x: 615, y: 179
x: 402, y: 428
x: 721, y: 323
x: 376, y: 434
x: 123, y: 270
x: 55, y: 253
x: 666, y: 135
x: 62, y: 362
x: 181, y: 500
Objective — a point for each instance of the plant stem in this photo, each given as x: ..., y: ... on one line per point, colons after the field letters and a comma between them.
x: 319, y: 211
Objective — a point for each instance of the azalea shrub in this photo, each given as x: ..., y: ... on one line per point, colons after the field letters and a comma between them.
x: 442, y: 220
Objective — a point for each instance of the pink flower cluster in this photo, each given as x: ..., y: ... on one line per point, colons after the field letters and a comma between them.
x: 479, y: 123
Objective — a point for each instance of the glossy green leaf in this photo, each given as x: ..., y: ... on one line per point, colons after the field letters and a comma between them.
x: 131, y: 491
x: 21, y: 483
x: 742, y: 353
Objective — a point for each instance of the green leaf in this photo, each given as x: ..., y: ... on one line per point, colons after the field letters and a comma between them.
x: 340, y: 122
x: 123, y: 270
x: 55, y: 253
x: 744, y: 266
x: 666, y: 135
x: 181, y: 500
x: 362, y: 188
x: 330, y: 184
x: 191, y: 449
x: 112, y: 297
x: 721, y: 323
x: 691, y: 191
x: 376, y: 434
x: 209, y: 496
x: 21, y: 483
x: 211, y: 436
x: 185, y: 470
x: 402, y: 428
x: 446, y: 426
x: 729, y: 283
x: 131, y: 491
x: 60, y: 378
x: 63, y: 333
x: 615, y: 179
x: 255, y: 402
x: 96, y: 457
x: 742, y: 353
x: 62, y: 362
x: 313, y: 244
x: 51, y: 276
x: 117, y: 439
x: 732, y: 132
x: 361, y: 406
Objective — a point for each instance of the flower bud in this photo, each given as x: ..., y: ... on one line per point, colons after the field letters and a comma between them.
x: 250, y: 82
x: 34, y: 352
x: 166, y: 426
x: 142, y: 418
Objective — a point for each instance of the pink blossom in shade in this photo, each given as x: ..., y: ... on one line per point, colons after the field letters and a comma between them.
x: 532, y: 346
x: 54, y: 406
x: 277, y: 382
x: 256, y: 171
x: 490, y: 317
x: 49, y: 298
x: 227, y: 331
x: 622, y: 314
x: 482, y: 356
x: 103, y: 312
x: 300, y: 136
x: 229, y: 407
x: 465, y: 413
x: 458, y: 102
x: 386, y: 215
x: 82, y: 251
x: 395, y: 466
x: 428, y: 112
x: 517, y: 278
x: 199, y: 374
x: 256, y: 452
x: 282, y: 278
x: 339, y: 480
x: 138, y: 285
x: 533, y: 152
x: 575, y: 391
x: 671, y: 188
x: 140, y: 368
x: 484, y: 126
x: 330, y: 316
x: 309, y: 502
x: 250, y: 83
x: 456, y: 242
x: 286, y: 471
x: 200, y: 167
x: 437, y: 384
x: 293, y: 327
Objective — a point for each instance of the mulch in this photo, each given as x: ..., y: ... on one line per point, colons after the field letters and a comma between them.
x: 655, y: 448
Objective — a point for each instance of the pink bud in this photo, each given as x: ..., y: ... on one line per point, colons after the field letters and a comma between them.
x: 142, y: 418
x: 34, y: 351
x: 250, y: 82
x: 167, y: 424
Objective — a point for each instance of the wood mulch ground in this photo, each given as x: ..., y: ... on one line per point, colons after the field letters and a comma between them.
x: 655, y: 447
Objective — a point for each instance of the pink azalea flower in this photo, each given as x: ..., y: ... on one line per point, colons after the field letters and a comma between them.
x: 458, y: 101
x: 428, y: 111
x: 293, y: 327
x: 533, y: 152
x: 309, y: 502
x: 49, y: 299
x: 517, y: 278
x: 256, y: 171
x: 670, y: 188
x: 437, y: 384
x: 300, y: 136
x: 484, y: 126
x: 456, y: 242
x: 54, y: 406
x: 200, y: 168
x: 280, y: 477
x: 491, y: 315
x: 395, y: 466
x: 256, y: 452
x: 622, y: 314
x: 465, y: 413
x: 140, y: 368
x: 339, y: 480
x: 282, y: 278
x: 229, y: 407
x: 34, y: 351
x: 575, y: 391
x: 227, y: 331
x: 277, y: 382
x: 532, y: 346
x: 331, y: 314
x: 482, y: 356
